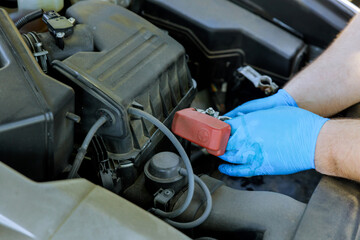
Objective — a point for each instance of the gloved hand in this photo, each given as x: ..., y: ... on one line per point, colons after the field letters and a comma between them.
x: 281, y: 98
x: 276, y: 141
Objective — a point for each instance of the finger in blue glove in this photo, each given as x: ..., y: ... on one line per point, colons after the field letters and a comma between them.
x: 281, y: 98
x: 276, y: 141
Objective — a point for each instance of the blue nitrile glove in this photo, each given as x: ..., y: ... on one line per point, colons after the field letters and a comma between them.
x: 275, y: 141
x: 281, y: 98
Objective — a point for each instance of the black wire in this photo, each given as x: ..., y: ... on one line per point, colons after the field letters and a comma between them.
x: 206, y: 213
x: 82, y: 150
x: 28, y: 18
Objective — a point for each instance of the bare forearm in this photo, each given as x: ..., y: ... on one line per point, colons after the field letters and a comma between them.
x: 338, y: 149
x: 332, y: 82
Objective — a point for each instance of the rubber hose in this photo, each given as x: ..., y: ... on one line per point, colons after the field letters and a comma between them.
x: 185, y: 158
x: 206, y: 213
x: 28, y: 18
x: 82, y: 150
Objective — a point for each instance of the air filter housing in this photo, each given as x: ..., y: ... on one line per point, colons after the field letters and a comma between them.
x: 136, y: 65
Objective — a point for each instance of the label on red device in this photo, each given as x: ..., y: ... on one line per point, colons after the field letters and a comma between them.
x: 202, y: 129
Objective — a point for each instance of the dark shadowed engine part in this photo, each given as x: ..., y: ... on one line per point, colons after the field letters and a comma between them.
x: 45, y: 50
x: 162, y: 171
x: 272, y: 215
x: 317, y: 21
x: 225, y: 36
x: 81, y: 40
x: 134, y: 64
x: 36, y: 138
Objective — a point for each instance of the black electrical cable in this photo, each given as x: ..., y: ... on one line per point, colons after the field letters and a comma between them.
x: 82, y: 150
x: 185, y: 158
x: 28, y: 18
x: 204, y: 216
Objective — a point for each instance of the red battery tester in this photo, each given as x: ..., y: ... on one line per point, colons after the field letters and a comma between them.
x: 202, y: 129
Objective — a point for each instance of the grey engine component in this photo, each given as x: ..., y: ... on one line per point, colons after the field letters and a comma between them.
x: 113, y: 59
x: 74, y: 209
x: 134, y: 64
x: 36, y: 138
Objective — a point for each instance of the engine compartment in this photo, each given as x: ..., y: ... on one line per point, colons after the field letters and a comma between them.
x: 96, y: 59
x: 36, y: 138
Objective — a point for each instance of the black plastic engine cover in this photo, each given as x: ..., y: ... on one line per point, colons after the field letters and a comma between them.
x: 136, y: 64
x: 221, y: 29
x: 318, y: 21
x: 333, y: 211
x: 35, y: 136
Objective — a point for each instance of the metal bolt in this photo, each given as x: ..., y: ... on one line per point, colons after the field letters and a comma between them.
x: 72, y: 20
x: 60, y: 34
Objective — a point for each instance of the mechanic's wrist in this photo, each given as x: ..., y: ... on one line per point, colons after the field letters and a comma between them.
x: 289, y: 100
x: 325, y: 159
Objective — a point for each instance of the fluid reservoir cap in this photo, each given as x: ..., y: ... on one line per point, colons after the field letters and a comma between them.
x: 163, y: 167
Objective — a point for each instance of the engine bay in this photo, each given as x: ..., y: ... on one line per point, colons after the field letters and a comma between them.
x: 91, y: 92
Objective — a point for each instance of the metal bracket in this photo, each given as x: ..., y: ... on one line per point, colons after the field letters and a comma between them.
x: 263, y: 82
x: 36, y: 47
x: 211, y: 112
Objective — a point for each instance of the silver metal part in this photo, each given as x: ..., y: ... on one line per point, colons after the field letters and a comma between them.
x: 72, y: 20
x: 37, y: 49
x: 211, y: 112
x: 60, y: 34
x: 262, y: 82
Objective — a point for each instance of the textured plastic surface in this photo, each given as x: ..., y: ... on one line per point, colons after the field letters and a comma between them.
x: 220, y: 29
x: 271, y: 215
x: 35, y: 136
x: 332, y: 212
x: 137, y: 64
x: 320, y: 20
x: 202, y: 129
x: 162, y: 171
x: 72, y: 209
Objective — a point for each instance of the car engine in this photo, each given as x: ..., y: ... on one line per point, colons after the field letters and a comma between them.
x: 91, y: 92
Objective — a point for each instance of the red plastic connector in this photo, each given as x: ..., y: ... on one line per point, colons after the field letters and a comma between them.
x: 202, y: 129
